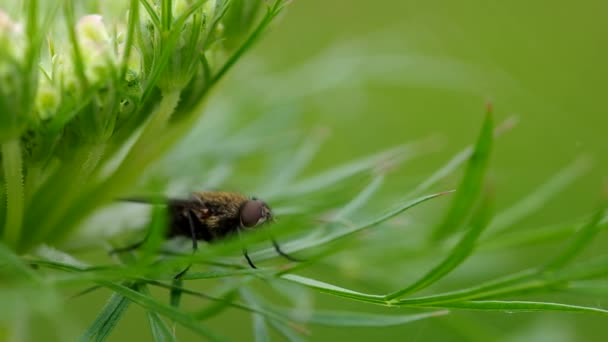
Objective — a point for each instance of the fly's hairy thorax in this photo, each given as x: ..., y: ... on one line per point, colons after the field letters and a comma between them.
x: 214, y: 215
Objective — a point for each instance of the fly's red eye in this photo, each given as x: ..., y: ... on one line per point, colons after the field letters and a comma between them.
x: 251, y: 213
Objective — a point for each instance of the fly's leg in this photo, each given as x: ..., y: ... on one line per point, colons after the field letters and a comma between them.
x: 248, y: 258
x: 129, y: 248
x: 277, y: 248
x: 194, y: 245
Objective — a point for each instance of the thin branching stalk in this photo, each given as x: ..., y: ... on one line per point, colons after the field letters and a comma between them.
x: 12, y: 163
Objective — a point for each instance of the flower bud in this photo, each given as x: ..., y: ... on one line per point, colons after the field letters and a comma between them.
x: 96, y: 47
x: 47, y: 99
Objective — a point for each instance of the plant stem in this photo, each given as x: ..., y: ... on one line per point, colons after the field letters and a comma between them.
x: 13, y: 165
x: 77, y: 172
x: 31, y: 180
x: 143, y: 152
x: 90, y: 162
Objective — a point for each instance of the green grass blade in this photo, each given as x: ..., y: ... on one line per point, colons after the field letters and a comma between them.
x: 360, y: 200
x: 159, y: 329
x: 463, y: 249
x: 593, y: 289
x: 215, y: 308
x: 11, y: 260
x: 79, y: 66
x: 581, y: 240
x: 332, y: 289
x: 223, y: 274
x: 175, y: 294
x: 539, y: 197
x: 471, y: 185
x: 260, y: 329
x: 335, y: 175
x: 227, y: 300
x: 285, y: 174
x: 12, y: 167
x: 519, y: 238
x: 130, y: 40
x: 287, y: 332
x: 520, y: 283
x: 299, y: 245
x: 447, y: 169
x: 522, y: 306
x: 152, y: 13
x: 170, y: 312
x: 107, y: 319
x: 271, y: 13
x: 483, y: 290
x: 456, y: 161
x: 354, y: 319
x: 352, y: 206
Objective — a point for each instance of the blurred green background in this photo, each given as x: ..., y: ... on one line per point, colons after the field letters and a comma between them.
x: 436, y: 65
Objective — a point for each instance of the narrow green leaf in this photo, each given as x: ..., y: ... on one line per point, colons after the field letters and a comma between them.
x: 133, y: 23
x: 160, y: 331
x: 332, y: 289
x: 352, y: 206
x: 524, y: 282
x: 298, y: 245
x: 360, y: 200
x: 175, y: 293
x: 152, y: 13
x: 156, y: 234
x: 111, y: 323
x: 158, y: 328
x: 166, y: 15
x: 249, y: 42
x: 521, y: 306
x: 581, y: 240
x: 107, y: 319
x: 285, y: 174
x: 535, y: 201
x: 471, y: 185
x: 10, y: 259
x: 354, y: 319
x: 152, y: 305
x: 12, y: 168
x: 228, y: 300
x: 594, y: 289
x: 527, y: 237
x: 463, y: 249
x: 349, y: 169
x: 216, y: 307
x: 489, y: 288
x: 85, y: 291
x: 223, y: 274
x: 286, y: 331
x: 447, y: 169
x: 456, y: 161
x: 79, y: 66
x: 260, y: 330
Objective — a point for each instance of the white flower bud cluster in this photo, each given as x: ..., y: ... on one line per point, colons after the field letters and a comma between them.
x: 12, y: 42
x: 96, y: 48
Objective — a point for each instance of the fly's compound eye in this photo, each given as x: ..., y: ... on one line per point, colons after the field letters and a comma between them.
x: 252, y: 213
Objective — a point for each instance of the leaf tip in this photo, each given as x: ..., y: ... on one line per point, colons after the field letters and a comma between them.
x: 440, y: 313
x: 444, y: 193
x: 489, y: 108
